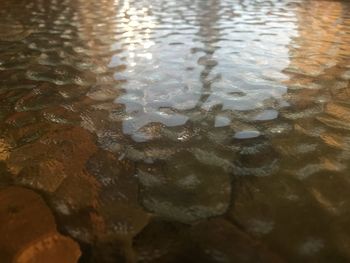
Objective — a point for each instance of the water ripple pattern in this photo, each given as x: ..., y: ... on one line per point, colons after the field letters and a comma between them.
x: 135, y: 117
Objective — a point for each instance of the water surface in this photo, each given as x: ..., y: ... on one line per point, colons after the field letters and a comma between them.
x: 140, y: 119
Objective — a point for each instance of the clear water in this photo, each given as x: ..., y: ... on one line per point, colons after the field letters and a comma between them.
x: 139, y: 121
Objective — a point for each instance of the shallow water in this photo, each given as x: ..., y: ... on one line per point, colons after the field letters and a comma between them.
x: 141, y: 119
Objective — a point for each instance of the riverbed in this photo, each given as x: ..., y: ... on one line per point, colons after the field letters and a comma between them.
x: 182, y: 131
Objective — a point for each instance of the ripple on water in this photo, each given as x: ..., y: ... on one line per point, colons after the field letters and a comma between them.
x: 196, y: 98
x: 60, y: 75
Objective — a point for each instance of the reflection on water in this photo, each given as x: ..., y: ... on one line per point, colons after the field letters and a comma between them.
x: 207, y: 54
x: 142, y: 119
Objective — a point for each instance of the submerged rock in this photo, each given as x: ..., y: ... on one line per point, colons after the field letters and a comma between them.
x: 101, y: 208
x: 217, y: 240
x: 209, y: 241
x: 162, y: 241
x: 271, y: 212
x: 28, y: 230
x: 184, y: 189
x: 52, y: 248
x: 4, y: 149
x: 48, y: 161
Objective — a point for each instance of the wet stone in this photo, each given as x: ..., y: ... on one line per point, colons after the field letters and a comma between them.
x: 20, y: 119
x: 256, y: 158
x: 23, y: 211
x: 185, y: 190
x: 218, y: 240
x: 5, y: 149
x: 42, y: 166
x: 100, y: 207
x: 77, y: 191
x: 265, y: 207
x: 162, y: 241
x: 215, y: 240
x: 28, y: 133
x: 47, y: 175
x: 118, y: 201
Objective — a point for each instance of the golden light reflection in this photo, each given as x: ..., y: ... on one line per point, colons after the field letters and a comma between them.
x: 137, y: 27
x: 319, y: 47
x: 4, y: 150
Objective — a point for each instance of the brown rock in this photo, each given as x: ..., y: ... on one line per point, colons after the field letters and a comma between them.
x: 118, y: 216
x: 28, y: 231
x: 4, y: 150
x: 163, y: 242
x: 185, y: 189
x: 218, y: 240
x: 271, y: 211
x: 45, y: 163
x: 53, y: 248
x: 20, y: 119
x: 47, y: 175
x: 208, y: 241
